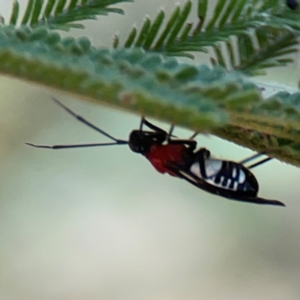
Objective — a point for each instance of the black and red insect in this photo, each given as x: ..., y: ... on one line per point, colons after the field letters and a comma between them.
x: 180, y: 158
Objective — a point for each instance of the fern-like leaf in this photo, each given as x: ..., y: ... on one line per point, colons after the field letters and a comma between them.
x: 270, y: 23
x: 263, y: 48
x: 61, y: 14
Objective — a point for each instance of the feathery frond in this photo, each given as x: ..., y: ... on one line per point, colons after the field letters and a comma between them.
x: 263, y: 48
x: 61, y: 14
x: 246, y: 19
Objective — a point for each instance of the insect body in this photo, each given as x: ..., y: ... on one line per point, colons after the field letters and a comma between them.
x: 180, y: 158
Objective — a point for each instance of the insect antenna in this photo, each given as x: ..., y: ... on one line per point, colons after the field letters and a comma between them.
x: 84, y: 121
x: 57, y: 147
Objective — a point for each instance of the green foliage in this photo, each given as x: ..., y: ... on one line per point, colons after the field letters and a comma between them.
x: 247, y: 36
x: 261, y: 49
x: 247, y: 20
x: 60, y: 14
x: 129, y: 78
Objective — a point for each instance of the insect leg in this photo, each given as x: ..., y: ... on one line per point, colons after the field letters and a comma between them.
x: 202, y: 154
x: 190, y: 143
x: 142, y: 123
x: 259, y: 163
x: 153, y: 127
x: 194, y: 135
x: 158, y: 135
x: 251, y: 158
x: 170, y: 133
x: 84, y: 121
x: 254, y: 157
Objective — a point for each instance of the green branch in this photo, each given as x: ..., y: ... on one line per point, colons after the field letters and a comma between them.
x: 247, y: 36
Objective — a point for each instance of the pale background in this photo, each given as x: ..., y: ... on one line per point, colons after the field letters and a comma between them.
x: 103, y: 224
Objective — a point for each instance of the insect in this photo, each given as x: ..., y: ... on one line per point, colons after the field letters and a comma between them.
x: 179, y: 158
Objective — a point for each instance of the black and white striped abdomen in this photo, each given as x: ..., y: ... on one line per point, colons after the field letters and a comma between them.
x: 226, y: 175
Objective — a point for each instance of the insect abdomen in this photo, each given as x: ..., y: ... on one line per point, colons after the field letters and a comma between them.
x: 226, y: 175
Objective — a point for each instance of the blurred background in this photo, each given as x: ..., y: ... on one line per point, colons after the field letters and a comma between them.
x: 103, y: 224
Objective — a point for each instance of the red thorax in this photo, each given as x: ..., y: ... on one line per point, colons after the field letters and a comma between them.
x: 160, y: 156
